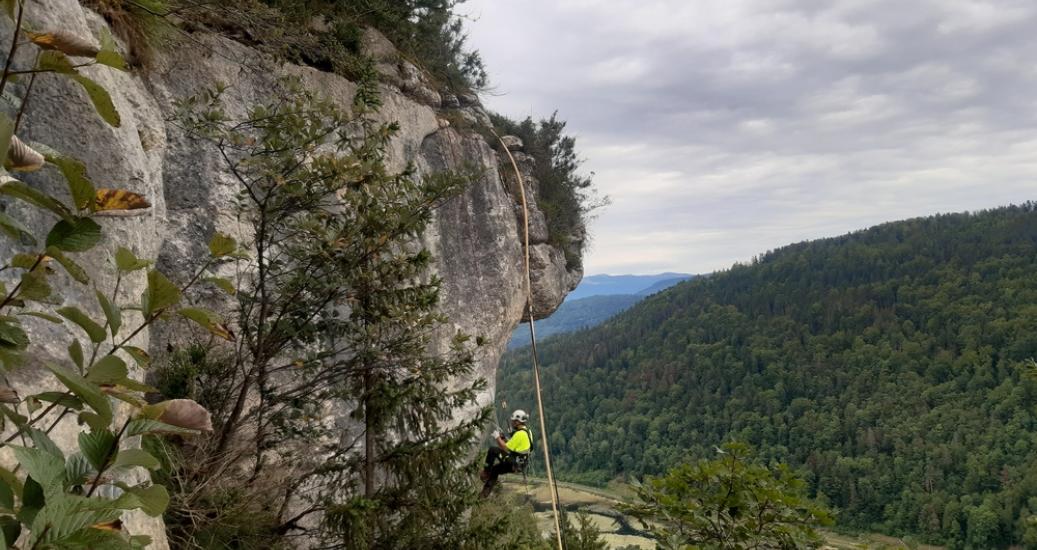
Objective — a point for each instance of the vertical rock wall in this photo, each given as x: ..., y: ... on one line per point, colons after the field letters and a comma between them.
x: 475, y: 237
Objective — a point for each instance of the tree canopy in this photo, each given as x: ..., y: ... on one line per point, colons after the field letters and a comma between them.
x: 885, y: 364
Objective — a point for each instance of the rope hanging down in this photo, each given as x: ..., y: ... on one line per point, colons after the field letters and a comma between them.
x: 533, y: 341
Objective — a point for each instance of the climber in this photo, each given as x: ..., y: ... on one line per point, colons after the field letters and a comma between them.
x: 507, y: 455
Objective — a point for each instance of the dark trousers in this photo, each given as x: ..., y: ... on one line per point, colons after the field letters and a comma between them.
x: 497, y: 462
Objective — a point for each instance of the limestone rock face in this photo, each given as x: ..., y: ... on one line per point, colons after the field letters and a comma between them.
x: 476, y: 237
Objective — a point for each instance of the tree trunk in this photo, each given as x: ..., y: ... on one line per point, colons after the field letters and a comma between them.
x: 369, y: 436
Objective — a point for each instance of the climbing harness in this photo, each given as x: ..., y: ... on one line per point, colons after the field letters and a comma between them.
x: 553, y: 488
x: 520, y: 461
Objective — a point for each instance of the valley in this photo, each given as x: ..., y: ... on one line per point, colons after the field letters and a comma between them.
x: 891, y: 368
x: 622, y: 532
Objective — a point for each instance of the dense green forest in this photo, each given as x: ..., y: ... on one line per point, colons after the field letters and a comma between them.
x: 886, y: 365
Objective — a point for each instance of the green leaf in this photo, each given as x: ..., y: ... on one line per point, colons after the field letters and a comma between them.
x: 222, y: 245
x: 112, y: 371
x: 11, y: 529
x: 209, y: 321
x: 134, y: 385
x: 41, y: 315
x: 47, y: 469
x: 109, y: 55
x: 107, y: 40
x: 223, y: 284
x: 94, y: 330
x: 98, y: 447
x: 6, y: 131
x: 43, y: 442
x: 53, y: 60
x: 75, y: 351
x: 9, y: 7
x: 111, y: 312
x: 142, y: 426
x: 76, y: 235
x: 12, y: 481
x: 22, y: 192
x: 112, y: 59
x: 73, y: 269
x: 11, y: 360
x: 33, y: 499
x: 90, y: 537
x: 78, y: 470
x: 13, y: 336
x: 137, y: 457
x: 18, y: 419
x: 88, y: 392
x: 127, y: 261
x: 100, y: 98
x: 34, y: 286
x: 140, y: 356
x: 6, y: 495
x: 66, y: 520
x: 160, y: 294
x: 16, y: 230
x: 94, y: 420
x: 126, y: 397
x: 62, y: 399
x: 153, y: 500
x: 25, y: 261
x: 79, y: 185
x: 108, y: 371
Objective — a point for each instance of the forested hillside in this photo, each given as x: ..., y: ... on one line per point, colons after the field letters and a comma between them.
x: 887, y: 365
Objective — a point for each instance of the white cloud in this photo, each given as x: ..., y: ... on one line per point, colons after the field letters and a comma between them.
x: 974, y: 16
x: 724, y: 128
x: 618, y: 70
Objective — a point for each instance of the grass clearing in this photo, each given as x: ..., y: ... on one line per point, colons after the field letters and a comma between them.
x: 593, y: 501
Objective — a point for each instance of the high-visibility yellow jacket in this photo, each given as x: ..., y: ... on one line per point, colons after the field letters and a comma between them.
x: 520, y: 442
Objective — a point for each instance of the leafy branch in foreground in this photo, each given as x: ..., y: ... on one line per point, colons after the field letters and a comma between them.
x: 54, y: 498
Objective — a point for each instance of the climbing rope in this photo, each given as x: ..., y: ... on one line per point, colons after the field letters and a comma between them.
x: 552, y: 487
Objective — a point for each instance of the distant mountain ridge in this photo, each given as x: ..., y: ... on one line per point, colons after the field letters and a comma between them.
x: 609, y: 285
x: 588, y: 310
x: 663, y: 285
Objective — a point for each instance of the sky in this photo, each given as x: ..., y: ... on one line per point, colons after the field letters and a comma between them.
x: 721, y: 129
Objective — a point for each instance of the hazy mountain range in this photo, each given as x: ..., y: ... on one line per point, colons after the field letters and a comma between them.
x: 594, y: 301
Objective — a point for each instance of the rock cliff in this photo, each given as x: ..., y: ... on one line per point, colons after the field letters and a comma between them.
x: 475, y: 237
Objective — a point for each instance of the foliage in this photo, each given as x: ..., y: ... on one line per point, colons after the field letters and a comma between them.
x: 885, y: 364
x: 565, y: 196
x: 581, y: 536
x: 507, y: 523
x: 327, y: 34
x: 729, y: 503
x: 54, y: 498
x: 334, y: 388
x: 427, y: 31
x: 504, y: 522
x: 143, y: 24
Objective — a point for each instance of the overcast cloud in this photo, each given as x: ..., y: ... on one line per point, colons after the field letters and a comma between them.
x: 724, y: 128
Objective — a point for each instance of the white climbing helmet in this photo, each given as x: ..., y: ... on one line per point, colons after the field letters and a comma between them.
x: 520, y: 415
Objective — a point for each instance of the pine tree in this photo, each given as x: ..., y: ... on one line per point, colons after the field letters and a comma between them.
x: 337, y: 314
